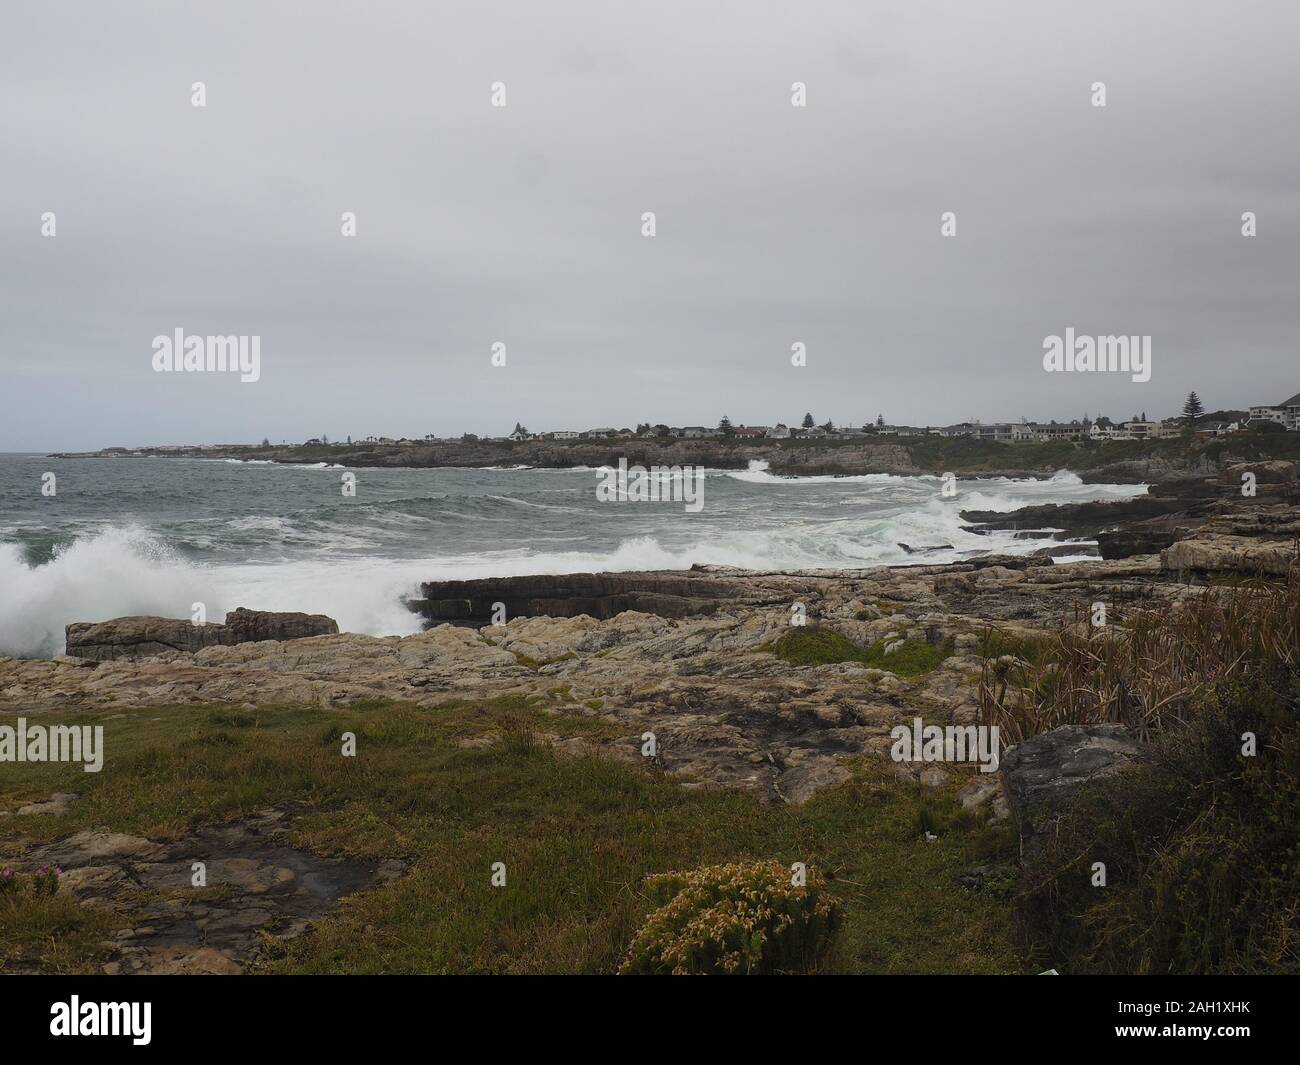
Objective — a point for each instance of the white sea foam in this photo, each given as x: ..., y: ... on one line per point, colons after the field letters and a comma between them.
x: 346, y: 574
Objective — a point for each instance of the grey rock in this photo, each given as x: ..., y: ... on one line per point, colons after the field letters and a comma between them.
x: 138, y: 637
x: 1042, y: 775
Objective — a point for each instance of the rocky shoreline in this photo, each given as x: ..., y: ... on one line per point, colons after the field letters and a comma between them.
x: 1116, y: 462
x: 698, y: 659
x: 689, y: 655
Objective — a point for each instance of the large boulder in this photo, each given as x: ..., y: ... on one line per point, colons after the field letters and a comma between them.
x: 140, y: 637
x: 246, y: 626
x: 152, y: 637
x: 1042, y: 774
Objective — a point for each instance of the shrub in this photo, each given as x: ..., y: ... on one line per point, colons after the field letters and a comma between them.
x: 738, y: 919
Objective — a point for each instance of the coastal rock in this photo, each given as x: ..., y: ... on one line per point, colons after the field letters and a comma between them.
x: 1042, y: 774
x: 1230, y: 554
x: 246, y: 625
x: 597, y: 595
x: 139, y: 637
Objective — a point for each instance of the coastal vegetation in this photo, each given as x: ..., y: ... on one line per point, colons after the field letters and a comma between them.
x: 817, y: 646
x: 456, y: 788
x: 742, y: 918
x: 1200, y: 837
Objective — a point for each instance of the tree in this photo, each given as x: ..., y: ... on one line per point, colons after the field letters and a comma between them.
x: 266, y: 442
x: 880, y: 421
x: 725, y: 425
x: 808, y: 422
x: 829, y: 426
x: 1192, y: 409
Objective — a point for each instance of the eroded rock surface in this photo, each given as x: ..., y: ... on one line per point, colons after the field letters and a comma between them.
x: 256, y: 885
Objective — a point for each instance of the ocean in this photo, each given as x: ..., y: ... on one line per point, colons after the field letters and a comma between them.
x: 157, y: 535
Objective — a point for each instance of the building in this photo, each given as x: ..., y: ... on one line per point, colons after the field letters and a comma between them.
x: 1143, y: 430
x: 1108, y: 432
x: 599, y: 434
x: 779, y: 431
x: 696, y: 432
x: 1292, y: 409
x: 752, y: 432
x: 1056, y: 431
x: 1286, y: 413
x: 561, y: 434
x: 1268, y: 414
x: 1003, y: 432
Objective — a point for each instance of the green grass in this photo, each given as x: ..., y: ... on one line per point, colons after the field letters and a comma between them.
x: 578, y: 835
x: 814, y: 646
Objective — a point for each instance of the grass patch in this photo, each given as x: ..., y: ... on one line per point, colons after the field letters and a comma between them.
x: 578, y: 836
x: 814, y: 646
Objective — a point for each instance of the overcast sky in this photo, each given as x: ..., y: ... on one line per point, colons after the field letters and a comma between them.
x: 522, y: 224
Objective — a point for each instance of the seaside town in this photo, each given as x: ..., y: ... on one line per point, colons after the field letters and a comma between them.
x: 1194, y: 420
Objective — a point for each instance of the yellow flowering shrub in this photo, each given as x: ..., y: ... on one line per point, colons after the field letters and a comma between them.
x: 742, y: 918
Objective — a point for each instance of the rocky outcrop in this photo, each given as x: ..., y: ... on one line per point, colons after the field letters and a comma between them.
x: 246, y: 626
x: 1042, y: 775
x: 597, y: 595
x: 1246, y: 537
x: 1246, y: 556
x: 151, y: 637
x: 140, y: 637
